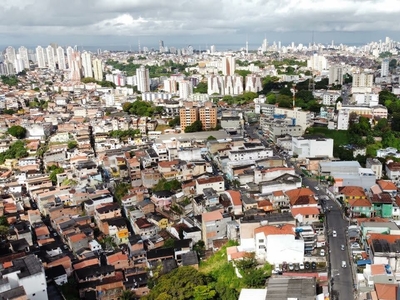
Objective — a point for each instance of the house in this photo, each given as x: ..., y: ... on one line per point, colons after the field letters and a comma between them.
x: 190, y: 259
x: 28, y: 273
x: 277, y: 244
x: 214, y: 226
x: 144, y: 228
x: 107, y: 211
x: 306, y: 215
x: 236, y: 202
x: 193, y: 233
x: 301, y: 197
x: 393, y: 171
x: 119, y: 260
x: 217, y: 183
x: 388, y: 186
x: 375, y: 165
x: 360, y: 208
x: 382, y: 205
x: 78, y: 241
x: 162, y: 199
x: 57, y: 274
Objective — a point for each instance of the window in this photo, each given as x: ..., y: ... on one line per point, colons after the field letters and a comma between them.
x: 261, y: 241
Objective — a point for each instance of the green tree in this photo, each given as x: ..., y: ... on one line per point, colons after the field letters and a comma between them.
x: 16, y: 150
x: 10, y: 80
x: 127, y: 295
x: 204, y: 292
x: 121, y: 190
x: 194, y: 127
x: 17, y: 131
x: 211, y: 138
x: 255, y: 278
x: 53, y: 171
x: 201, y: 88
x: 243, y: 73
x: 72, y: 144
x: 175, y: 122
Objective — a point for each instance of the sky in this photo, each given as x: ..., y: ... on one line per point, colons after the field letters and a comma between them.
x: 122, y: 23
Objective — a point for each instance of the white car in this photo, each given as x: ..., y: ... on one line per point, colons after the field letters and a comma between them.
x: 291, y: 267
x: 322, y: 252
x: 301, y: 266
x: 344, y: 265
x: 317, y: 188
x: 334, y: 234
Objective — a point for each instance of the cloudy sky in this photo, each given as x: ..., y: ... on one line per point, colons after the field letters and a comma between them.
x: 120, y: 23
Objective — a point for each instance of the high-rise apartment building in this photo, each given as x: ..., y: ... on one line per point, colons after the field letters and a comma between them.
x: 336, y: 74
x: 317, y: 63
x: 87, y: 64
x: 363, y: 80
x: 18, y: 64
x: 61, y: 58
x: 143, y: 79
x: 98, y: 69
x: 24, y: 56
x: 188, y: 114
x: 185, y: 89
x: 208, y: 116
x: 228, y: 65
x: 170, y: 85
x: 385, y: 67
x: 51, y: 60
x: 75, y: 67
x: 253, y: 83
x: 70, y: 52
x: 10, y: 54
x: 40, y: 57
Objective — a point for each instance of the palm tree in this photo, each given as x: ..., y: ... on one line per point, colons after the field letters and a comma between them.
x: 127, y: 295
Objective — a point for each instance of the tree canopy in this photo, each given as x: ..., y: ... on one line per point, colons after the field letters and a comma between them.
x: 202, y: 88
x: 194, y: 127
x: 164, y: 185
x: 17, y: 131
x: 141, y: 108
x: 16, y: 150
x: 10, y: 80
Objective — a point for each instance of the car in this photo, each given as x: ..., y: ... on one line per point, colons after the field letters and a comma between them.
x: 313, y: 265
x: 55, y: 234
x: 334, y: 233
x: 307, y: 265
x: 322, y: 252
x: 342, y: 247
x: 291, y: 267
x: 317, y: 188
x: 344, y: 264
x: 301, y: 266
x: 296, y: 267
x: 65, y: 247
x: 355, y: 246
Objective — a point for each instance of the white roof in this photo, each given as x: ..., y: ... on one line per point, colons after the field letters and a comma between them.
x: 253, y: 294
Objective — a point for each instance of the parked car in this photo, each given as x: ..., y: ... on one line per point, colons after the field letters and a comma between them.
x: 344, y: 264
x: 301, y: 266
x: 55, y: 233
x: 334, y: 233
x: 296, y: 267
x: 342, y: 247
x: 317, y: 188
x: 355, y: 246
x: 291, y: 267
x: 313, y: 265
x: 307, y: 265
x: 322, y: 252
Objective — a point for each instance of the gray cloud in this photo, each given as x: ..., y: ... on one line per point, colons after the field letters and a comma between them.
x: 214, y: 18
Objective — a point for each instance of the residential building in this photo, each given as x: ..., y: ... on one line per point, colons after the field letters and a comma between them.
x: 27, y: 272
x: 40, y: 57
x: 385, y: 67
x: 185, y: 89
x: 87, y: 64
x: 375, y: 165
x: 98, y: 69
x: 214, y: 226
x: 188, y: 114
x: 362, y: 83
x: 217, y: 183
x: 61, y: 58
x: 207, y: 116
x: 393, y: 171
x: 51, y: 60
x: 317, y: 63
x: 24, y: 56
x: 143, y: 79
x: 329, y: 97
x: 228, y: 65
x: 303, y: 118
x: 336, y: 74
x: 253, y: 83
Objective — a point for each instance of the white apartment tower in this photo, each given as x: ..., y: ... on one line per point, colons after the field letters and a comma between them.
x: 317, y: 63
x: 385, y: 67
x: 23, y: 54
x: 70, y: 52
x: 185, y: 89
x: 228, y: 65
x: 87, y: 64
x: 40, y: 57
x: 253, y: 83
x: 10, y: 54
x: 61, y: 58
x: 18, y: 64
x: 336, y: 74
x: 363, y: 80
x: 143, y: 79
x: 51, y: 60
x: 98, y: 69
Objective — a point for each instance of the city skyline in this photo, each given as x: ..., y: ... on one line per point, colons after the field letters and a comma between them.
x: 123, y: 23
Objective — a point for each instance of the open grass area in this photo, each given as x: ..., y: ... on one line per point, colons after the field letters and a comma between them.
x: 218, y: 267
x: 162, y: 127
x: 340, y: 137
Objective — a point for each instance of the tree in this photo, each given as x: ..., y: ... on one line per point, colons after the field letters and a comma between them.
x: 53, y: 171
x: 72, y: 144
x: 204, y: 292
x: 243, y: 73
x: 255, y: 278
x: 175, y: 122
x: 121, y: 190
x: 164, y: 185
x: 194, y: 127
x: 17, y: 131
x: 211, y: 138
x: 202, y: 88
x: 16, y: 150
x: 127, y: 295
x: 169, y: 243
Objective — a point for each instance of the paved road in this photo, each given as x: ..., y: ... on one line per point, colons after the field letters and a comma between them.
x: 342, y: 283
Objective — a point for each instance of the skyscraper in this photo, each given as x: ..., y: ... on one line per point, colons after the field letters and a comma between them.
x: 23, y: 54
x: 75, y: 67
x: 385, y: 67
x: 61, y: 58
x: 18, y: 64
x: 228, y: 65
x: 40, y: 57
x: 87, y: 64
x: 51, y: 60
x: 185, y: 89
x: 208, y: 116
x: 98, y: 69
x: 161, y: 46
x: 264, y: 45
x: 143, y: 79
